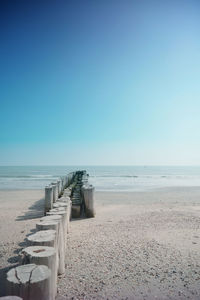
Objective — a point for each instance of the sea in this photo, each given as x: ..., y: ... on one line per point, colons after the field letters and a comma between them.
x: 104, y: 178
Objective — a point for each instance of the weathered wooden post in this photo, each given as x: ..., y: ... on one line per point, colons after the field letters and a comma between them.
x: 63, y: 199
x: 60, y: 242
x: 55, y: 193
x: 43, y: 255
x: 61, y: 212
x: 70, y: 178
x: 60, y: 204
x: 76, y: 211
x: 67, y: 192
x: 67, y: 206
x: 49, y: 226
x: 88, y: 195
x: 62, y: 184
x: 69, y: 211
x: 48, y: 198
x: 59, y: 187
x: 65, y: 181
x: 43, y: 238
x: 30, y: 282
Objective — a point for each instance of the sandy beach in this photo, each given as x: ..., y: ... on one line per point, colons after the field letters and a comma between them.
x: 19, y: 213
x: 143, y: 245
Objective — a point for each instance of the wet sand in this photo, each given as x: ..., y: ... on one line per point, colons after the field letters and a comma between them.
x: 139, y: 246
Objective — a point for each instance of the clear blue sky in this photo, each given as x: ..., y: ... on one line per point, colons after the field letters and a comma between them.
x: 100, y: 82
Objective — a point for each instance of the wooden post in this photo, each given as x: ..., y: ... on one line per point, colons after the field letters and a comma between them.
x: 67, y: 192
x: 59, y: 188
x: 54, y: 187
x: 76, y: 211
x: 60, y: 204
x: 48, y: 226
x: 65, y: 181
x: 61, y: 240
x: 42, y: 255
x: 43, y: 238
x: 62, y: 184
x: 67, y: 206
x: 51, y: 218
x: 61, y: 212
x: 88, y: 194
x: 63, y: 206
x: 69, y: 211
x: 48, y: 198
x: 64, y: 199
x: 68, y: 180
x: 30, y: 282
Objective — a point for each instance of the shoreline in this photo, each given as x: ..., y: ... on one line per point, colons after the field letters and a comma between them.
x: 178, y: 187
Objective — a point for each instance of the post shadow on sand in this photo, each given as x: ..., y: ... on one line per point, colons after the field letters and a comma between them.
x: 3, y: 272
x: 15, y: 261
x: 34, y: 211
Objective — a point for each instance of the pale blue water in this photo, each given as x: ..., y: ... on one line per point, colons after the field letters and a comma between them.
x: 104, y: 178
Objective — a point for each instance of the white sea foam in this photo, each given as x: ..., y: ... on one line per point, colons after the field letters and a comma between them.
x: 141, y: 183
x: 104, y: 178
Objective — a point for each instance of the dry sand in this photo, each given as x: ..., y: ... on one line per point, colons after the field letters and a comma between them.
x: 139, y: 246
x: 19, y: 212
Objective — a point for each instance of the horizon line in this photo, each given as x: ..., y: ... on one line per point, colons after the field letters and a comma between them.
x: 80, y: 165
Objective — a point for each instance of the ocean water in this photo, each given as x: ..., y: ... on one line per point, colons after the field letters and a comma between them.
x: 104, y: 178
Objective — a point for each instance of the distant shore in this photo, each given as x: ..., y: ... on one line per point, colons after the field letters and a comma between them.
x: 140, y: 245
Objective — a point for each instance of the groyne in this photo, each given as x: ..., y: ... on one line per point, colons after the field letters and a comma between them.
x: 44, y: 259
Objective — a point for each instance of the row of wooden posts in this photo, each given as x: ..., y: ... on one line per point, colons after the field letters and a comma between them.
x: 44, y: 259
